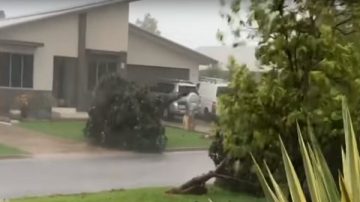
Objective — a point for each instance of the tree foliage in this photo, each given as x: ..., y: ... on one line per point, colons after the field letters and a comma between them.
x: 127, y: 116
x: 309, y: 46
x: 149, y: 24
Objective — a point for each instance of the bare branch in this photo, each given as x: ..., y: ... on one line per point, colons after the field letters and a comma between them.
x: 343, y: 32
x: 344, y: 22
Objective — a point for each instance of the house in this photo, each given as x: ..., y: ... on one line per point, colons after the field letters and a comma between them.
x: 151, y: 57
x: 56, y: 57
x: 244, y: 54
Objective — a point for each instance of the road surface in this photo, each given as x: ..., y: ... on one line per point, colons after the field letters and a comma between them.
x: 84, y: 173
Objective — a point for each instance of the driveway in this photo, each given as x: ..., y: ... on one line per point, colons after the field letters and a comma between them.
x: 98, y: 172
x: 36, y: 143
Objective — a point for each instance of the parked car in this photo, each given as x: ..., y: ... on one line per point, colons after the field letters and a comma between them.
x: 210, y: 91
x: 178, y: 108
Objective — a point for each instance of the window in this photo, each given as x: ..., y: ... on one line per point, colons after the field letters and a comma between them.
x: 99, y: 68
x: 16, y: 70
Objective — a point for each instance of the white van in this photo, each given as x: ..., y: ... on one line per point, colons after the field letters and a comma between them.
x: 209, y: 92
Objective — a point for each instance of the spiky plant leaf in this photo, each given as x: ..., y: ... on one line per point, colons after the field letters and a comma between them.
x: 279, y: 193
x: 323, y: 173
x: 351, y: 157
x: 312, y: 181
x: 296, y: 191
x: 344, y: 191
x: 269, y: 194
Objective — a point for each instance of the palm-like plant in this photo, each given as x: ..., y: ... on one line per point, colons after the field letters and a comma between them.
x: 320, y: 181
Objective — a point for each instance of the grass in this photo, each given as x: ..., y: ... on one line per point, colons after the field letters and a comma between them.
x: 9, y: 151
x: 65, y: 129
x: 148, y: 195
x: 177, y: 138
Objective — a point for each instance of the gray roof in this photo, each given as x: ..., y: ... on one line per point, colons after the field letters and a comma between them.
x: 192, y: 53
x: 71, y: 8
x: 243, y: 54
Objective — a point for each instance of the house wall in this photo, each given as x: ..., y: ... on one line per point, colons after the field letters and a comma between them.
x: 144, y: 51
x: 60, y: 37
x: 107, y: 28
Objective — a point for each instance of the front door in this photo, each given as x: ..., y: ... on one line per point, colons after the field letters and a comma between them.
x: 64, y: 81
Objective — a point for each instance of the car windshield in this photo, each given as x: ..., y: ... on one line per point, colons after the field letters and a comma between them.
x: 187, y: 89
x: 222, y: 90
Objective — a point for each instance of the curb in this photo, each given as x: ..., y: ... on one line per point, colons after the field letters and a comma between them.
x: 20, y: 156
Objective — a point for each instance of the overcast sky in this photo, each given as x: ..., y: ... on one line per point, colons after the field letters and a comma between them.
x: 192, y: 23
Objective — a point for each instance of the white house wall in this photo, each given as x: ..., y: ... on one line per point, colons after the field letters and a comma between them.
x: 107, y: 28
x: 144, y: 51
x: 60, y: 37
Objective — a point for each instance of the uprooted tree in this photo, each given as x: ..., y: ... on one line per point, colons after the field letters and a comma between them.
x: 310, y: 48
x: 127, y: 116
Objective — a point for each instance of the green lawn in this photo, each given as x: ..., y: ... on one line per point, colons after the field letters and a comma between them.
x: 177, y: 138
x: 65, y: 129
x: 147, y: 195
x: 9, y: 151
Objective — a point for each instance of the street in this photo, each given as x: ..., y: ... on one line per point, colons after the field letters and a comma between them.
x: 84, y: 173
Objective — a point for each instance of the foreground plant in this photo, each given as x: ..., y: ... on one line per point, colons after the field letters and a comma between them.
x: 311, y: 62
x: 320, y: 182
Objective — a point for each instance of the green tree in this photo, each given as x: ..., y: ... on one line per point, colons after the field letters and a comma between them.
x: 309, y: 46
x: 149, y: 24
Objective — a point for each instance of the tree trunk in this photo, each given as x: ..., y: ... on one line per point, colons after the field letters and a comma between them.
x: 197, y: 184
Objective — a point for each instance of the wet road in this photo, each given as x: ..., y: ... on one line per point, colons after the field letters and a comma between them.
x: 84, y: 173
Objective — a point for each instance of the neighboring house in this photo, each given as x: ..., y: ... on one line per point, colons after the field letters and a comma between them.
x: 243, y: 54
x: 152, y: 57
x: 57, y: 57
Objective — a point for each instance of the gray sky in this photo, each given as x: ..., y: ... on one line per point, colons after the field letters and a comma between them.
x: 192, y: 23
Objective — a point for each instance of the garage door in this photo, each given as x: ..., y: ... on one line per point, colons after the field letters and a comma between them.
x: 148, y: 75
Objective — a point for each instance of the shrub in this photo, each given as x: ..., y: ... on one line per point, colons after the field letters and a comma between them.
x: 320, y: 182
x: 126, y: 116
x: 312, y: 65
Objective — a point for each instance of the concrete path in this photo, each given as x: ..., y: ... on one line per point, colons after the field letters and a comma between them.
x: 36, y: 143
x: 91, y: 173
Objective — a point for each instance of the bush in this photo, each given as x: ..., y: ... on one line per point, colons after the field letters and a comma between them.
x: 312, y: 65
x: 126, y: 116
x: 320, y: 184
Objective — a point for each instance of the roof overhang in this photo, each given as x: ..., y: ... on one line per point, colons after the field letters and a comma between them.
x: 9, y: 22
x: 203, y: 59
x: 20, y: 43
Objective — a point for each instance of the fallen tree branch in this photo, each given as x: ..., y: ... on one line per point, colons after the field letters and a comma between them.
x: 197, y: 184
